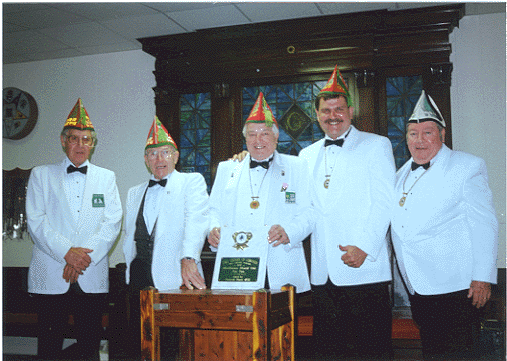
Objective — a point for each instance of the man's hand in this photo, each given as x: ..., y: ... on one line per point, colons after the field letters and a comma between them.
x: 480, y: 292
x: 78, y: 258
x: 354, y: 257
x: 277, y: 234
x: 240, y: 156
x: 70, y: 274
x: 214, y: 237
x: 190, y: 275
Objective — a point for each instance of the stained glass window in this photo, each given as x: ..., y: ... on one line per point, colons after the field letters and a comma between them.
x: 292, y: 105
x: 402, y: 94
x: 195, y: 142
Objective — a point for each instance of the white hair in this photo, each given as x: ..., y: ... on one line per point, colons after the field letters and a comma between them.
x: 274, y: 127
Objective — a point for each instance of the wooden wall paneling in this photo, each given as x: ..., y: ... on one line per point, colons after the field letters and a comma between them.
x: 167, y: 103
x: 260, y: 51
x: 366, y: 120
x: 220, y: 125
x: 237, y: 119
x: 380, y: 99
x: 226, y: 126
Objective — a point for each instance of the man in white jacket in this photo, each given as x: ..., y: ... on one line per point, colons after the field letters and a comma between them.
x: 165, y: 224
x: 74, y: 217
x: 267, y: 190
x: 444, y: 231
x: 353, y: 177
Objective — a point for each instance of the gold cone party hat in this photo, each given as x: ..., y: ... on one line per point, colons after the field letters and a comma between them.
x: 78, y: 118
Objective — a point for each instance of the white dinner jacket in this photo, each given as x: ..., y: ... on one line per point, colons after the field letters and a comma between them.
x: 286, y: 263
x: 354, y: 210
x: 54, y: 231
x: 180, y: 230
x: 446, y: 233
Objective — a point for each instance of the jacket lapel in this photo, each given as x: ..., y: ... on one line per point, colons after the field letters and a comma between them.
x: 278, y: 177
x: 341, y: 171
x: 65, y: 199
x: 313, y: 156
x: 86, y: 206
x: 431, y: 183
x: 232, y: 187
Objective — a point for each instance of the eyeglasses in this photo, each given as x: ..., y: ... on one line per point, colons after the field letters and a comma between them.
x: 164, y: 153
x: 85, y: 140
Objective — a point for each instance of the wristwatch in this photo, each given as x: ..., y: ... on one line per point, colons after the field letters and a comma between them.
x: 191, y: 258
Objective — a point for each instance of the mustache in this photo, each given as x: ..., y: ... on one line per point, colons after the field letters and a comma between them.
x: 334, y: 120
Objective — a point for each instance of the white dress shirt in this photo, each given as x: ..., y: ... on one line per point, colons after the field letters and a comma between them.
x: 152, y: 203
x: 74, y: 185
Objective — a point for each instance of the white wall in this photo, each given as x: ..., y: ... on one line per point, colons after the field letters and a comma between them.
x: 478, y: 102
x: 116, y: 92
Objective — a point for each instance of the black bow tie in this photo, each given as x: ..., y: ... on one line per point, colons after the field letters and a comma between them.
x: 338, y: 142
x: 254, y: 164
x: 71, y: 169
x: 161, y: 182
x: 415, y: 165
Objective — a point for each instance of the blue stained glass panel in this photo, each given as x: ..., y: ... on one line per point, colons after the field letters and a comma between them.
x: 308, y: 108
x: 285, y: 93
x: 185, y: 143
x: 284, y: 137
x: 195, y: 143
x: 302, y: 92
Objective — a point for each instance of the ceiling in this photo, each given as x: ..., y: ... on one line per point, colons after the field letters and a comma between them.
x: 41, y: 31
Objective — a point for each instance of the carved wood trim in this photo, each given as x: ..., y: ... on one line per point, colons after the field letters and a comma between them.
x: 301, y: 48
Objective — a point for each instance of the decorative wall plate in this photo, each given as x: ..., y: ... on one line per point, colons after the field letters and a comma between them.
x: 19, y: 113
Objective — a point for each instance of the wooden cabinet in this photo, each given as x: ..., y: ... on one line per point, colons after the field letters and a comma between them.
x: 220, y: 324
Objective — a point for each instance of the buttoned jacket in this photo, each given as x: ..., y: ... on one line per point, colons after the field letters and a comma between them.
x: 54, y: 231
x: 354, y: 210
x: 446, y: 233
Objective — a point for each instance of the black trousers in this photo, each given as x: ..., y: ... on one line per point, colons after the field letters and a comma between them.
x: 448, y: 323
x: 53, y: 315
x: 352, y: 322
x: 140, y: 278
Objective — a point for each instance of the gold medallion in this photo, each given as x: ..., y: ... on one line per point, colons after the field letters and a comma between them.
x: 326, y: 183
x: 241, y: 240
x: 254, y: 204
x: 402, y: 201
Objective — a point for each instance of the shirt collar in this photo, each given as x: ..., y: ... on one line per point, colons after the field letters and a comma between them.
x: 166, y: 177
x: 67, y: 162
x: 343, y: 136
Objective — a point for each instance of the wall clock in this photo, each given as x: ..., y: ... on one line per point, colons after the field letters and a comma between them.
x: 19, y: 113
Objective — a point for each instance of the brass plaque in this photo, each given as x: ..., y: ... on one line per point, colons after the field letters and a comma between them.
x: 239, y: 269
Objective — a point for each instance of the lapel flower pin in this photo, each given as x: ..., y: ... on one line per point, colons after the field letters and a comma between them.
x: 284, y: 187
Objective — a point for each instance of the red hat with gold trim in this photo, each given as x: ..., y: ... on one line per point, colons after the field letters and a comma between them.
x: 261, y: 113
x: 336, y: 86
x: 159, y: 136
x: 78, y: 118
